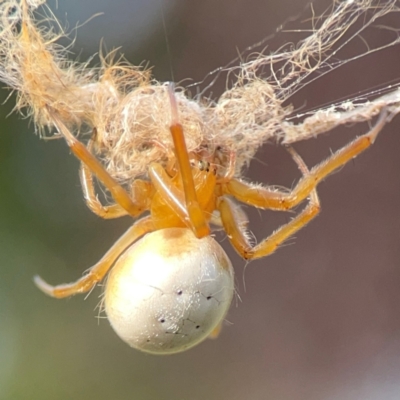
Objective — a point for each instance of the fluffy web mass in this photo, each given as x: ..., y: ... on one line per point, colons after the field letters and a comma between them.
x: 131, y: 111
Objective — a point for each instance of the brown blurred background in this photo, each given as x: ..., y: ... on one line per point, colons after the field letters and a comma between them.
x: 320, y: 319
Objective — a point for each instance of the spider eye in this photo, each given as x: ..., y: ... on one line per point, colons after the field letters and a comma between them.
x: 203, y: 165
x: 169, y: 291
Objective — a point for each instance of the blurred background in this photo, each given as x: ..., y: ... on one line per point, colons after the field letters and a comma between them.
x: 319, y: 319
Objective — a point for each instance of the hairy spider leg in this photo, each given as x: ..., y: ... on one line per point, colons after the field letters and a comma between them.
x: 216, y: 331
x: 237, y: 234
x: 197, y: 220
x: 169, y: 192
x: 305, y: 171
x: 118, y: 193
x: 266, y: 198
x: 89, y: 194
x: 98, y: 271
x: 139, y: 192
x: 230, y: 170
x: 93, y: 202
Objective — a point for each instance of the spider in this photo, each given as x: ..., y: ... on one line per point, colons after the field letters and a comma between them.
x: 171, y: 283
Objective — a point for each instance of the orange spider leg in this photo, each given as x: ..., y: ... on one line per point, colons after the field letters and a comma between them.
x: 277, y: 200
x: 171, y: 162
x: 230, y: 170
x: 169, y: 193
x: 83, y: 154
x: 92, y: 201
x: 197, y: 220
x: 216, y: 331
x: 230, y: 222
x: 98, y: 271
x: 139, y: 193
x: 237, y: 235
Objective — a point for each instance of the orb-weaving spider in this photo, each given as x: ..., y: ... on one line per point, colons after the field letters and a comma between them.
x: 180, y: 160
x: 178, y: 259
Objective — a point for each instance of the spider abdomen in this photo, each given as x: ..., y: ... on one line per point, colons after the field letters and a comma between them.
x: 169, y: 291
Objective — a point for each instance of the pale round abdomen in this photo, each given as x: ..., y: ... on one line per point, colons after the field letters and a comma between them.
x: 169, y: 291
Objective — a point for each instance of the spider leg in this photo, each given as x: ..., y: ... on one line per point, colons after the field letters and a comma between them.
x: 89, y: 194
x: 173, y: 196
x: 230, y: 170
x: 83, y: 154
x: 98, y: 271
x: 216, y: 331
x: 92, y: 201
x: 266, y: 198
x: 170, y: 193
x: 197, y: 220
x: 237, y: 235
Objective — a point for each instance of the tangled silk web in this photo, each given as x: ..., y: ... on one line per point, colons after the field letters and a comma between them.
x: 132, y: 113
